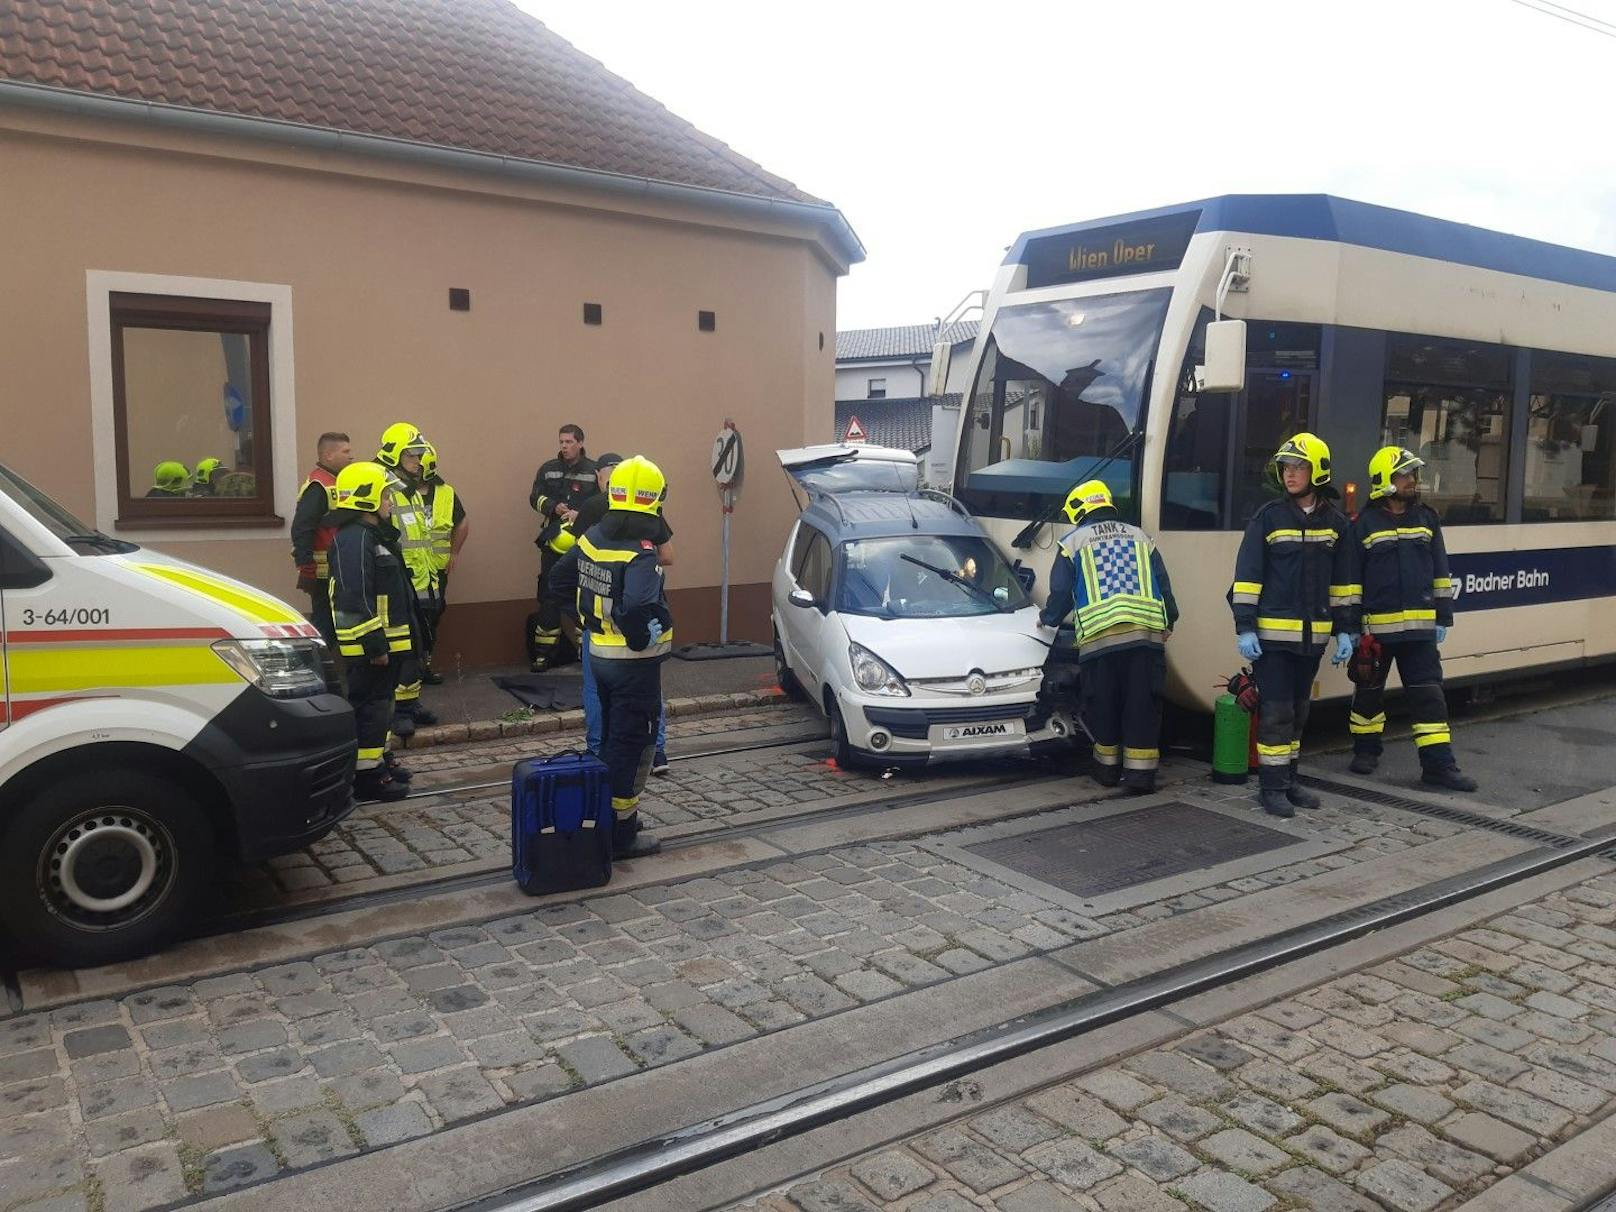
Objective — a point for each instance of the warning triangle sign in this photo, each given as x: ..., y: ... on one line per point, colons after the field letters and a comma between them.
x: 855, y: 431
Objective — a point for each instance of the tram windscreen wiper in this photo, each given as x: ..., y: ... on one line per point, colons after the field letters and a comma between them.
x: 949, y: 574
x: 1024, y: 537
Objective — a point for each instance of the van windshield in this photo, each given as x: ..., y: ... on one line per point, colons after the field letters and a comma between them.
x: 54, y: 518
x: 927, y: 577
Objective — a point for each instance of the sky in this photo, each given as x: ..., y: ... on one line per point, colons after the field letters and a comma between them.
x: 943, y: 130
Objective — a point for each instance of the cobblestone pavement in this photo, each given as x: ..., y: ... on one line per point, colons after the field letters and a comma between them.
x: 236, y: 1078
x: 1409, y: 1086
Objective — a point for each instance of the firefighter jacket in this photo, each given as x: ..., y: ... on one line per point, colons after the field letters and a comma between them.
x: 1295, y: 577
x: 370, y: 595
x: 1405, y: 587
x: 414, y: 534
x: 1110, y: 583
x: 614, y: 573
x: 559, y: 483
x: 310, y: 538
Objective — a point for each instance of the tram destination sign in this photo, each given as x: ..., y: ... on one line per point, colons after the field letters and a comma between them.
x: 1493, y: 580
x: 1139, y: 247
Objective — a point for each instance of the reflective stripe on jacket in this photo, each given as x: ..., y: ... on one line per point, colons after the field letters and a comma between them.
x: 369, y: 596
x: 441, y: 524
x: 414, y: 534
x: 318, y: 537
x: 1295, y: 576
x: 1406, y: 590
x: 1110, y: 583
x: 617, y: 585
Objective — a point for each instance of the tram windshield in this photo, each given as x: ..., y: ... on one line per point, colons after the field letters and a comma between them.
x: 1061, y: 387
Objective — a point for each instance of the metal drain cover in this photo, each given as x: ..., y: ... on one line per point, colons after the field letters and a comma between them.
x: 1094, y: 857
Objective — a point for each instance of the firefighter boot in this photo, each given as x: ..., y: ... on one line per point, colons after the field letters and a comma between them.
x: 395, y: 771
x: 1299, y: 796
x: 1275, y: 801
x: 1364, y: 762
x: 1449, y: 778
x: 374, y: 784
x: 628, y: 842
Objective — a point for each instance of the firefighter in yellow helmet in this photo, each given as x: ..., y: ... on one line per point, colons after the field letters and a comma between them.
x: 205, y: 479
x: 1293, y: 586
x: 614, y: 576
x: 446, y: 520
x: 1407, y: 606
x: 1110, y: 584
x: 401, y: 449
x: 169, y: 479
x: 369, y: 607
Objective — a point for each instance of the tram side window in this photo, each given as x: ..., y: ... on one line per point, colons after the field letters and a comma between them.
x: 1197, y: 454
x: 1571, y: 439
x: 1448, y: 401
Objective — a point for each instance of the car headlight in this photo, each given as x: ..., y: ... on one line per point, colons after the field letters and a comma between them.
x: 282, y: 669
x: 873, y: 675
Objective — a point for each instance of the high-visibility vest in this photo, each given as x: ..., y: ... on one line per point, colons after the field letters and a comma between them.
x: 323, y: 535
x: 442, y: 524
x: 1115, y: 596
x: 415, y: 534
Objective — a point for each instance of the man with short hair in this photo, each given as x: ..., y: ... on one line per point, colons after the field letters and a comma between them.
x: 560, y: 487
x: 311, y: 538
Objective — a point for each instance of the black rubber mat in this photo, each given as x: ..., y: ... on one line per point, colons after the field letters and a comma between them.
x: 1091, y: 858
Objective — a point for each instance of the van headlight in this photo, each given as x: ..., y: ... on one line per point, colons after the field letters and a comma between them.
x: 282, y: 669
x: 873, y: 675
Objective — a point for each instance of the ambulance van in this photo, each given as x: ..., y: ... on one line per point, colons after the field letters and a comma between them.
x: 157, y: 721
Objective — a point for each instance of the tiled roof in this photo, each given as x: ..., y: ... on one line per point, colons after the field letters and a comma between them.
x: 905, y: 424
x: 475, y: 74
x: 905, y: 341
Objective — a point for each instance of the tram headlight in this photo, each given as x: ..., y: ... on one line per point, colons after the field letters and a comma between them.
x: 873, y: 675
x: 282, y: 669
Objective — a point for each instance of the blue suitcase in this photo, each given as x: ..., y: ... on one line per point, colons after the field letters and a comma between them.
x: 561, y: 823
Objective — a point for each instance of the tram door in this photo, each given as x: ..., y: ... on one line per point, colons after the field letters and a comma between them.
x: 1274, y: 405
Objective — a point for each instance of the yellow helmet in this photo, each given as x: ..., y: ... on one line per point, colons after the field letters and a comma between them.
x: 170, y: 475
x: 360, y: 485
x: 206, y: 469
x: 563, y: 542
x: 638, y: 486
x: 396, y: 439
x: 1387, y: 462
x: 429, y: 461
x: 1304, y: 448
x: 1086, y: 498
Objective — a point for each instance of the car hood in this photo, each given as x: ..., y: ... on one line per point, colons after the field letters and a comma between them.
x: 951, y: 648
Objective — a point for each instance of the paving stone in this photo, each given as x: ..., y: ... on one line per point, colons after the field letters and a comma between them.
x: 1417, y: 1103
x: 328, y: 1029
x: 1261, y: 1115
x: 266, y: 1066
x: 1037, y: 1196
x: 1130, y: 1193
x: 108, y: 1066
x: 1327, y: 1149
x: 1220, y: 1053
x: 121, y: 1132
x: 94, y: 1040
x: 391, y: 1124
x: 114, y: 1098
x: 1446, y: 1161
x: 1347, y: 1038
x: 1240, y: 1150
x: 21, y: 1066
x: 1155, y: 1156
x: 1563, y: 1091
x: 253, y: 1036
x: 1488, y: 1006
x: 1117, y: 1088
x: 1514, y: 1106
x: 304, y: 1140
x: 1179, y: 1073
x: 141, y: 1178
x: 595, y: 1059
x: 425, y: 1055
x: 1503, y: 1036
x: 200, y: 1090
x: 1560, y: 1007
x: 456, y: 999
x: 973, y: 1164
x: 1484, y: 1134
x: 868, y: 986
x: 1273, y: 1039
x: 1313, y: 1189
x: 1220, y: 1192
x: 828, y: 1196
x: 460, y: 1093
x: 1403, y: 1187
x: 182, y: 1061
x: 338, y: 1060
x: 1338, y: 1070
x: 206, y: 1131
x: 1486, y: 1061
x: 1081, y: 1113
x: 1423, y: 1038
x: 1073, y: 1163
x: 291, y: 1094
x: 1014, y: 1128
x: 231, y: 1168
x: 1278, y: 1081
x: 659, y: 1045
x: 1596, y: 1069
x: 1179, y: 1119
x: 713, y: 1024
x: 34, y: 1136
x: 893, y: 1174
x: 85, y: 1014
x: 154, y: 1004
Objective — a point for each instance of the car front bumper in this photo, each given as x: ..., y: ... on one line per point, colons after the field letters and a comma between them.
x: 909, y: 732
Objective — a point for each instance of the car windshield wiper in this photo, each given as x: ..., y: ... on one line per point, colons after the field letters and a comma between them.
x: 955, y: 578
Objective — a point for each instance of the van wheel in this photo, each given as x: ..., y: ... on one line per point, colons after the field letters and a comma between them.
x: 846, y: 757
x: 783, y: 677
x: 102, y: 866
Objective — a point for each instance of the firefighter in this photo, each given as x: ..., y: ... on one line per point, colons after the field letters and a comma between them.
x: 401, y: 449
x: 1293, y: 586
x: 560, y: 486
x: 616, y: 581
x: 1110, y: 584
x: 368, y: 591
x: 311, y: 540
x: 446, y: 518
x: 205, y: 479
x: 169, y: 479
x: 1407, y: 606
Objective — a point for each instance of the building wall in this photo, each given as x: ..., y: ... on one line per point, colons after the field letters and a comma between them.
x: 852, y: 381
x: 368, y: 254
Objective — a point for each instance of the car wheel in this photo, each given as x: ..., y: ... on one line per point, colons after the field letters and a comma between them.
x: 783, y: 677
x: 102, y: 866
x: 846, y: 756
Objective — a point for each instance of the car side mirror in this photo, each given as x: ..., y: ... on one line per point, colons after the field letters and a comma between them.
x: 802, y: 598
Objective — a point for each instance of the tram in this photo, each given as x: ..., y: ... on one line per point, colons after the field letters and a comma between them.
x: 1493, y: 356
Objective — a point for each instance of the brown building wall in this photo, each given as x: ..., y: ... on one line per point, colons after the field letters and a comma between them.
x: 369, y: 254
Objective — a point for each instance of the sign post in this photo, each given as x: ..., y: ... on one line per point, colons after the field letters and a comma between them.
x: 729, y: 468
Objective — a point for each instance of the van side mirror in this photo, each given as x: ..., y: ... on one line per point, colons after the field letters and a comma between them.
x: 1225, y: 368
x: 937, y: 379
x: 802, y: 598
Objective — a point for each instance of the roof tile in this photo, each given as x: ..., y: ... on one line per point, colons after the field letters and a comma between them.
x: 905, y: 341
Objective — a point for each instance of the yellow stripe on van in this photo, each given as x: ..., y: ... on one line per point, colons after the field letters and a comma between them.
x: 257, y: 607
x: 50, y: 669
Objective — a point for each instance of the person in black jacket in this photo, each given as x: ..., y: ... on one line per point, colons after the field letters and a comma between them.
x: 1292, y: 587
x: 370, y: 598
x: 560, y: 487
x: 1407, y: 605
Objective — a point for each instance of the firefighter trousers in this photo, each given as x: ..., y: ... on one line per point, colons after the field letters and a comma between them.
x: 370, y: 694
x: 545, y: 644
x: 1285, y: 684
x: 630, y: 702
x: 1420, y: 666
x: 1122, y: 693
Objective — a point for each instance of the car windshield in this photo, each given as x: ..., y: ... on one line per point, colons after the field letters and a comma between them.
x: 903, y: 578
x: 54, y: 518
x: 1061, y: 386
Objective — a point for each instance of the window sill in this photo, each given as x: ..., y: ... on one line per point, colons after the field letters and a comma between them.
x: 227, y: 522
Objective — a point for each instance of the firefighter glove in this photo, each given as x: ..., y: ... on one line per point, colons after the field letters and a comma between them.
x: 1441, y: 633
x: 1249, y: 647
x: 1344, y: 644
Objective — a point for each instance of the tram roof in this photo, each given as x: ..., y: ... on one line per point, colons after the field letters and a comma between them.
x: 1325, y: 217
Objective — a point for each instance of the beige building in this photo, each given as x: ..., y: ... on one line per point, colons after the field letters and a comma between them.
x: 230, y: 225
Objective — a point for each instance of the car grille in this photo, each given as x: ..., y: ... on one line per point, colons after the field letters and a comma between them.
x: 914, y: 723
x: 329, y: 782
